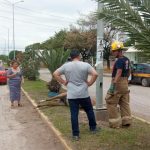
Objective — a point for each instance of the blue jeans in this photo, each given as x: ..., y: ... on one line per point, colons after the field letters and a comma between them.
x: 86, y: 104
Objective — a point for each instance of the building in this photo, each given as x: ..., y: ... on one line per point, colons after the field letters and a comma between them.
x: 132, y: 54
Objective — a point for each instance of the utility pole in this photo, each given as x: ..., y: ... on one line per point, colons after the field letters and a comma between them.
x: 99, y: 61
x: 5, y: 46
x: 8, y: 44
x: 13, y: 7
x: 13, y: 13
x: 100, y: 110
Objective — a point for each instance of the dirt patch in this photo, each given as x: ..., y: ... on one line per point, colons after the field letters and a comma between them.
x: 38, y: 136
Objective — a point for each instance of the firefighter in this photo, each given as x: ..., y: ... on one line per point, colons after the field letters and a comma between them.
x: 117, y: 98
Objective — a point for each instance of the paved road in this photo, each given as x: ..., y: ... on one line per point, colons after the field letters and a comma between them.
x: 22, y: 128
x: 140, y: 96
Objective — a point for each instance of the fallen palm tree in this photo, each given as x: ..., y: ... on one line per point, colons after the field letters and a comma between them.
x: 60, y: 98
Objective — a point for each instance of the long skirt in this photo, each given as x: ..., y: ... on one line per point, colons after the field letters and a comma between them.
x: 15, y: 90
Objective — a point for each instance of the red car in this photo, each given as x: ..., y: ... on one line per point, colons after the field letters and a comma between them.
x: 3, y: 77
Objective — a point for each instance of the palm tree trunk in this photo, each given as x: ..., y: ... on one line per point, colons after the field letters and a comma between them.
x: 54, y: 85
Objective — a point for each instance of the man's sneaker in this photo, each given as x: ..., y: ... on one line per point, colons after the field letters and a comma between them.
x: 96, y: 130
x: 75, y: 138
x: 126, y: 125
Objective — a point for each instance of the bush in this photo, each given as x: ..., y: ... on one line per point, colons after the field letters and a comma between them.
x: 30, y: 66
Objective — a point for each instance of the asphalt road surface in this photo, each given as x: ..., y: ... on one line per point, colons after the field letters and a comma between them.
x: 139, y: 95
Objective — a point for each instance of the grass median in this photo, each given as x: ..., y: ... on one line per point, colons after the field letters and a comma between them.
x: 136, y: 137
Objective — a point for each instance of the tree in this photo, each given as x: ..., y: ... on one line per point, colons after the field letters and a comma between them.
x: 19, y: 56
x: 30, y: 66
x: 89, y: 25
x: 52, y: 54
x: 11, y: 54
x: 4, y: 58
x: 30, y: 63
x: 55, y: 42
x: 32, y: 47
x: 53, y: 59
x: 74, y: 40
x: 130, y: 16
x: 87, y: 22
x: 109, y: 33
x: 88, y: 28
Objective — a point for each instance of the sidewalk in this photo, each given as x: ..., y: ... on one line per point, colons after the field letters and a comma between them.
x: 22, y: 128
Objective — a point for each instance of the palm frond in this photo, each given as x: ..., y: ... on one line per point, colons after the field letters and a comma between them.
x: 130, y: 16
x: 53, y: 58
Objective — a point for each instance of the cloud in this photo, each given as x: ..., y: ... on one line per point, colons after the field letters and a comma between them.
x: 37, y: 20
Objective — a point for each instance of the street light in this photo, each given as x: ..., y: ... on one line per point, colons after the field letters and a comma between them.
x: 13, y: 11
x: 13, y: 7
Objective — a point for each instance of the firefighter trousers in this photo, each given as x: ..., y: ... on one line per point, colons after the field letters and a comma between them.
x: 118, y: 105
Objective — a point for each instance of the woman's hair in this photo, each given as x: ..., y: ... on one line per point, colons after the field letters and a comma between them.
x: 14, y: 61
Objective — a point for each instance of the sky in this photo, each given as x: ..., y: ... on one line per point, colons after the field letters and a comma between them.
x: 37, y: 20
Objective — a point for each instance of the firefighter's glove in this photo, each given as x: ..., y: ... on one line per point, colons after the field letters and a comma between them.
x: 112, y: 88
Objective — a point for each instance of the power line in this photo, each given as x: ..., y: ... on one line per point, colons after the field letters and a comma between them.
x: 48, y: 26
x: 38, y: 17
x: 32, y: 21
x: 38, y: 12
x: 45, y: 14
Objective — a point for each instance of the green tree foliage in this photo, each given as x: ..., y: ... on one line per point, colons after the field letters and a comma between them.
x: 30, y: 63
x: 11, y: 54
x: 53, y: 58
x: 74, y: 40
x: 130, y: 16
x: 19, y: 56
x: 52, y: 54
x: 88, y: 29
x: 4, y: 58
x: 32, y: 47
x: 81, y: 40
x: 55, y: 42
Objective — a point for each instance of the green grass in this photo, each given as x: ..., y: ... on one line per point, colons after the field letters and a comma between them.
x: 36, y: 89
x: 136, y: 137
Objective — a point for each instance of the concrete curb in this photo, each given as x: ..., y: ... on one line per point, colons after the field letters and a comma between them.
x: 140, y: 119
x: 106, y: 75
x: 46, y: 120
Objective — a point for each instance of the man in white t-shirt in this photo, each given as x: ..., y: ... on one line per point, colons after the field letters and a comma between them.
x: 76, y: 74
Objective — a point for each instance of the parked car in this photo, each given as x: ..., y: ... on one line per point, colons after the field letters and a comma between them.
x: 3, y: 77
x: 141, y: 74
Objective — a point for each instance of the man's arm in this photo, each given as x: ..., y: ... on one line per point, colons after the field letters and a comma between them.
x: 114, y: 80
x: 118, y: 75
x: 94, y: 76
x: 58, y: 77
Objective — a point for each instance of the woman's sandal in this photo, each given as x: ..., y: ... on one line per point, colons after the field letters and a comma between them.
x: 12, y: 106
x: 19, y: 105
